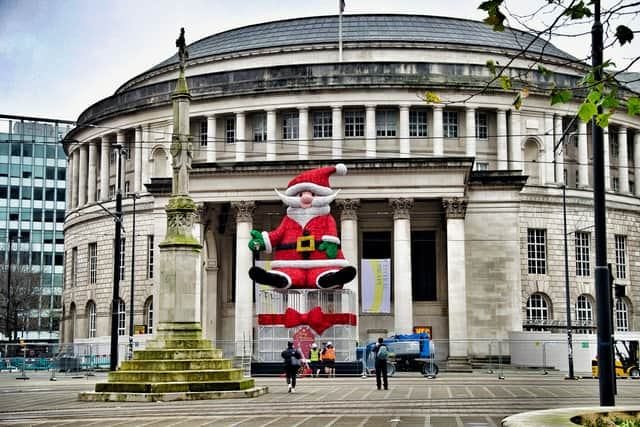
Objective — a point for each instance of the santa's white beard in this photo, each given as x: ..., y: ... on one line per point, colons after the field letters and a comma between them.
x: 317, y: 202
x: 319, y: 206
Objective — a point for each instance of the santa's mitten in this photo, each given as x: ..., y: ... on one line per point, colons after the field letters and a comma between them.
x: 257, y: 242
x: 330, y: 248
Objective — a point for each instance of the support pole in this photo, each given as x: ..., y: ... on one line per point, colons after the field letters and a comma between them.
x: 133, y: 266
x: 567, y: 291
x: 603, y: 290
x: 113, y: 362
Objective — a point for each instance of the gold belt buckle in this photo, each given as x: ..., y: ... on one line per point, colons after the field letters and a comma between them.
x: 306, y: 244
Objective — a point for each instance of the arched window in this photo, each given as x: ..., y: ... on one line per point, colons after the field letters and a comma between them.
x: 622, y: 315
x: 74, y: 318
x: 531, y: 164
x: 584, y: 315
x: 122, y: 314
x: 148, y: 314
x: 538, y: 312
x: 159, y: 162
x: 91, y: 310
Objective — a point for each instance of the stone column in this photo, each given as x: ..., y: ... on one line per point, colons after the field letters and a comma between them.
x: 370, y: 131
x: 470, y: 132
x: 123, y: 173
x: 455, y: 210
x: 137, y: 158
x: 336, y: 132
x: 349, y: 243
x: 69, y: 184
x: 271, y: 135
x: 405, y: 140
x: 501, y: 140
x: 82, y: 183
x: 244, y: 286
x: 636, y: 162
x: 146, y: 165
x: 93, y: 168
x: 559, y: 153
x: 74, y: 178
x: 105, y: 159
x: 402, y: 286
x: 241, y: 140
x: 583, y: 155
x: 623, y: 160
x: 212, y: 142
x: 438, y: 140
x: 303, y: 133
x: 548, y: 149
x: 515, y: 138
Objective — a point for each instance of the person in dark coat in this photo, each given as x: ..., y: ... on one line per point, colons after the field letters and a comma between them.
x: 292, y: 361
x: 381, y: 363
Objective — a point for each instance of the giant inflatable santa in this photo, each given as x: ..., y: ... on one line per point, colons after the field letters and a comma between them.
x: 306, y: 246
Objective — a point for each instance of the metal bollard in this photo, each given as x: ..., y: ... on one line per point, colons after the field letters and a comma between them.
x: 501, y: 372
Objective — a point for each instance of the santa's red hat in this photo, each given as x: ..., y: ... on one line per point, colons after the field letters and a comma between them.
x: 315, y: 180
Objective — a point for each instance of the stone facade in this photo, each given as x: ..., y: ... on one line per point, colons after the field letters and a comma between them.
x: 450, y: 190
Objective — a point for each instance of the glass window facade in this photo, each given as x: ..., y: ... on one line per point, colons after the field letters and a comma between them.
x: 31, y: 153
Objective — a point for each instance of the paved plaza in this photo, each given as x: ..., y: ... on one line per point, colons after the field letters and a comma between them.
x: 473, y: 400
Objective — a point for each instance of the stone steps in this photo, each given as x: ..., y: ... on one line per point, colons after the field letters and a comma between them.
x: 176, y: 365
x: 176, y: 354
x: 176, y: 376
x: 175, y: 387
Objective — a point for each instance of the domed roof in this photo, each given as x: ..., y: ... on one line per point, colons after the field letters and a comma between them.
x: 363, y: 28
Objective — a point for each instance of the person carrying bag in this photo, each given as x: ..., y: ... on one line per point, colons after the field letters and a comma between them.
x: 292, y: 361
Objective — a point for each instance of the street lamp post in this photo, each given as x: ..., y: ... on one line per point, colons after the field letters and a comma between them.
x: 8, y: 323
x: 113, y: 362
x: 566, y: 284
x: 134, y: 196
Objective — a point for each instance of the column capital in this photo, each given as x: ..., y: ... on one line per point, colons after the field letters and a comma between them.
x: 404, y: 106
x: 455, y: 207
x: 210, y: 115
x: 437, y: 106
x: 244, y: 210
x: 370, y: 106
x: 348, y: 208
x: 303, y: 108
x: 468, y: 107
x: 401, y: 207
x: 336, y: 107
x: 239, y: 113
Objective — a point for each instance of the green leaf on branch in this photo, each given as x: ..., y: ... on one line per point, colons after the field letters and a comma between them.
x: 506, y: 82
x: 633, y: 106
x: 544, y: 71
x: 587, y: 80
x: 496, y: 18
x: 587, y: 111
x: 602, y: 120
x: 610, y: 100
x: 624, y: 34
x: 492, y: 66
x: 578, y: 11
x: 432, y: 98
x: 560, y: 96
x: 517, y: 101
x: 594, y: 97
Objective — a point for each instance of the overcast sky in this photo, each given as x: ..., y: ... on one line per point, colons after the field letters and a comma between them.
x: 57, y: 57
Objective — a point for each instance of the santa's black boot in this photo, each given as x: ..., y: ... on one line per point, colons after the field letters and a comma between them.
x: 338, y: 278
x: 265, y: 278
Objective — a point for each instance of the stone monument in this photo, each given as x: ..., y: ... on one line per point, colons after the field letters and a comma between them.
x: 177, y: 364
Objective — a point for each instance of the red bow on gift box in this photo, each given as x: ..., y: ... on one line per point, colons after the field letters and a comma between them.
x: 315, y: 318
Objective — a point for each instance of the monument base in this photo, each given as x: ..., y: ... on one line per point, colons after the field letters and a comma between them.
x: 176, y: 365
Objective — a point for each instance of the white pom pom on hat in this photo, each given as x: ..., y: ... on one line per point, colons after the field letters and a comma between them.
x: 341, y: 169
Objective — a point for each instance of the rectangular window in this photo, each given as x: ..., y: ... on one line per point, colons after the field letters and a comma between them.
x: 122, y: 315
x: 122, y: 257
x: 536, y: 251
x: 613, y: 140
x: 616, y: 183
x: 92, y: 320
x: 583, y: 265
x: 259, y: 127
x: 386, y: 123
x: 290, y: 125
x: 322, y: 124
x: 353, y: 123
x: 93, y: 262
x: 112, y: 191
x: 482, y: 125
x: 450, y: 124
x: 114, y: 157
x: 203, y: 133
x: 482, y: 166
x: 230, y: 130
x: 621, y: 256
x: 417, y: 123
x: 150, y: 255
x: 74, y: 267
x: 423, y: 266
x: 127, y: 187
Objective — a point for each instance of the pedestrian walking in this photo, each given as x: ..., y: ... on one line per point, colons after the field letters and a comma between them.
x: 314, y: 360
x: 292, y: 361
x: 381, y: 352
x: 329, y: 360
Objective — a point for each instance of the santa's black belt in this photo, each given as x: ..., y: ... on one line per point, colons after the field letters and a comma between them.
x: 283, y: 246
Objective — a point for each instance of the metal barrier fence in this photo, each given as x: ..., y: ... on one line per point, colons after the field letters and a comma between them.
x: 537, y: 354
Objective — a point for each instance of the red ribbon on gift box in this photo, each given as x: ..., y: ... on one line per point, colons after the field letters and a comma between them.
x: 315, y: 318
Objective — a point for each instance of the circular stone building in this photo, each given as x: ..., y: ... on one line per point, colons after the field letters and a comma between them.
x: 463, y: 200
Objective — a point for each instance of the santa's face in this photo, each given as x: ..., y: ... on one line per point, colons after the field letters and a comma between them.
x: 306, y: 199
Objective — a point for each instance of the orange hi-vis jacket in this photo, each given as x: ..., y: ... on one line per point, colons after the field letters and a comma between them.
x: 329, y: 354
